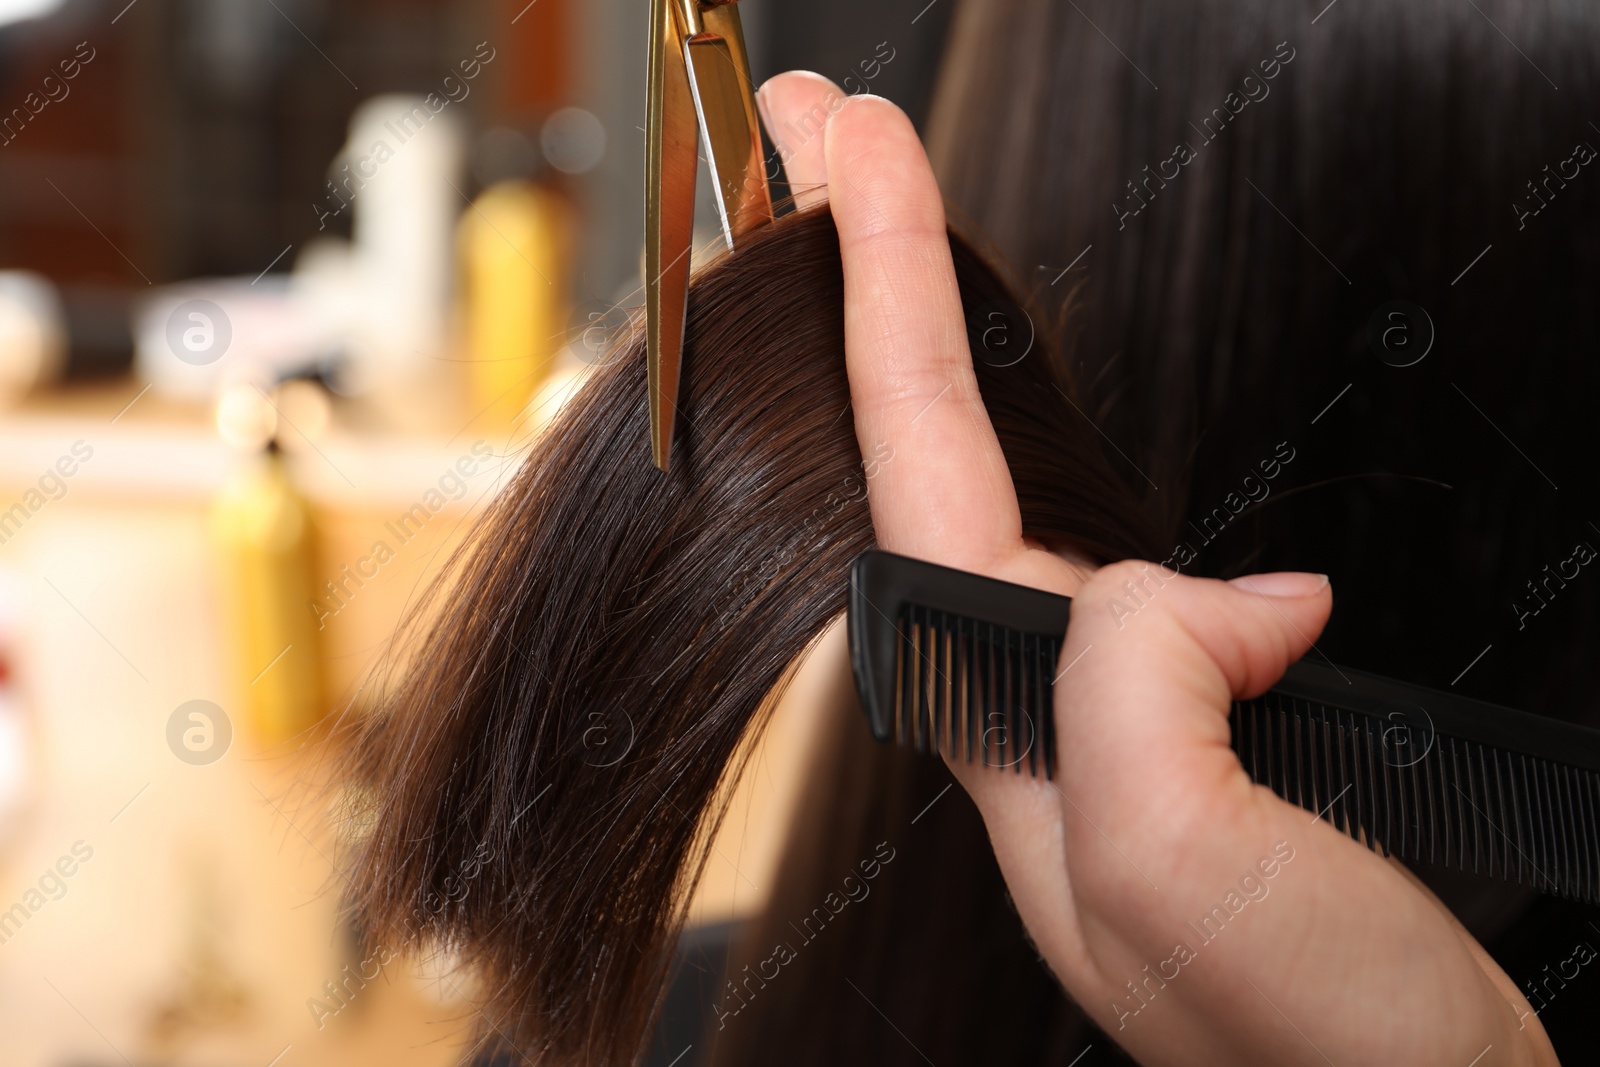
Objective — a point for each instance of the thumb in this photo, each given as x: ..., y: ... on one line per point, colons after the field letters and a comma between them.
x: 1235, y: 637
x: 1154, y: 661
x: 1151, y: 666
x: 1145, y: 772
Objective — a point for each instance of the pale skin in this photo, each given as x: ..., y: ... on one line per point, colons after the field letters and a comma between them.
x: 1338, y: 956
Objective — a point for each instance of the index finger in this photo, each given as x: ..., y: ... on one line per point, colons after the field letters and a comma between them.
x: 940, y: 488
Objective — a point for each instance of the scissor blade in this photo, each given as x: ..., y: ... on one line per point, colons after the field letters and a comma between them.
x: 725, y: 102
x: 669, y: 221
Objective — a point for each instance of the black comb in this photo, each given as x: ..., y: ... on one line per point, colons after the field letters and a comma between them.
x: 953, y: 662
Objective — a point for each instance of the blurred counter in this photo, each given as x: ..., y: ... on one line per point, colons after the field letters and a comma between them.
x: 198, y: 925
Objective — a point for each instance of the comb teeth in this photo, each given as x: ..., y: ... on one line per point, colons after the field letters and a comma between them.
x: 963, y: 665
x: 981, y: 692
x: 1433, y: 798
x: 976, y: 691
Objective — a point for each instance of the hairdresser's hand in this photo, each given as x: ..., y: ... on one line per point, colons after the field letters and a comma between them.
x: 1326, y: 953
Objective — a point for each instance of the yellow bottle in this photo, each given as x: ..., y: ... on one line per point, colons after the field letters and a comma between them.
x: 264, y: 535
x: 513, y: 244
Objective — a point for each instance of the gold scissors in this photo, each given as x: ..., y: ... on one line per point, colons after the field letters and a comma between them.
x: 699, y: 83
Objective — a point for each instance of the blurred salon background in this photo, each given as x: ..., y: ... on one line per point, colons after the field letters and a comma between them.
x: 286, y: 288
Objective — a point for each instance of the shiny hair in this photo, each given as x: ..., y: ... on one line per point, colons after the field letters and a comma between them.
x: 1428, y: 152
x: 599, y: 598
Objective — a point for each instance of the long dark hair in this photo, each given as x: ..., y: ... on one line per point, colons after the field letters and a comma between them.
x: 1393, y: 145
x: 1428, y: 152
x: 497, y: 813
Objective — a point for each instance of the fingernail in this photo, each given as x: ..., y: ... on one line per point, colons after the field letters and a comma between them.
x: 761, y: 108
x: 1282, y: 583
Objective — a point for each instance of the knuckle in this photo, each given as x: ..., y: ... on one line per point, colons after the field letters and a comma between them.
x: 1114, y: 579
